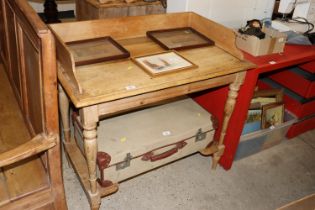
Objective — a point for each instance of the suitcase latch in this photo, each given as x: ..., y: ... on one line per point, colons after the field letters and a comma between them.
x: 125, y: 163
x: 200, y: 135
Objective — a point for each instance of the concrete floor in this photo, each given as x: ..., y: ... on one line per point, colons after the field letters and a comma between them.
x: 263, y: 181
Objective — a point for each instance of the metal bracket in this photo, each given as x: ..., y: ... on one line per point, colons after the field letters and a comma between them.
x: 125, y: 163
x: 200, y: 135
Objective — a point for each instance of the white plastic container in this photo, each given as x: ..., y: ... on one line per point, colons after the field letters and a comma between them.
x: 257, y: 141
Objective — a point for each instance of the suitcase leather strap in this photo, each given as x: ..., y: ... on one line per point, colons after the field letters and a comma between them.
x: 150, y: 156
x: 103, y: 159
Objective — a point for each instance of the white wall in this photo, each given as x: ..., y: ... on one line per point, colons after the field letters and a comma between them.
x: 232, y: 13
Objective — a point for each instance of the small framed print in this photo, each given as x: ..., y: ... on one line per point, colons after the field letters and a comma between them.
x: 272, y: 115
x: 179, y: 38
x: 253, y: 116
x: 163, y: 63
x: 96, y: 50
x: 253, y: 121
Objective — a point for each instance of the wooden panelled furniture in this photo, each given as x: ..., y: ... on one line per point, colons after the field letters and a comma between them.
x: 101, y: 89
x: 95, y: 9
x: 30, y: 162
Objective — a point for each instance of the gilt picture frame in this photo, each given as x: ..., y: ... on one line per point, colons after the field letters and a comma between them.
x: 272, y: 115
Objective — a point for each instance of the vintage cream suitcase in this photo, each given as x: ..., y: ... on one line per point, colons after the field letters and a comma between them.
x: 137, y: 142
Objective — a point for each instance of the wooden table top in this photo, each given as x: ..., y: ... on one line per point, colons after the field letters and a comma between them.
x: 103, y: 82
x: 108, y: 81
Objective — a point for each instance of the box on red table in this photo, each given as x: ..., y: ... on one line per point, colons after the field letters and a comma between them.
x: 273, y: 42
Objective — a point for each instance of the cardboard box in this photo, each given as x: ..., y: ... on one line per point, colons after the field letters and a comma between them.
x: 273, y: 42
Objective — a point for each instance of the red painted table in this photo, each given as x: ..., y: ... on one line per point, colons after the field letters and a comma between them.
x: 293, y: 55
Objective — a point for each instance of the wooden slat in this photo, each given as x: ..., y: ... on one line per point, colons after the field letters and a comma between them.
x: 13, y: 51
x: 66, y: 65
x: 3, y: 43
x: 34, y: 201
x: 29, y: 175
x: 306, y: 203
x: 223, y: 37
x: 118, y: 28
x: 35, y: 146
x: 4, y: 195
x: 80, y: 166
x: 32, y: 18
x: 9, y: 137
x: 47, y: 207
x: 116, y: 106
x: 13, y: 132
x: 25, y: 177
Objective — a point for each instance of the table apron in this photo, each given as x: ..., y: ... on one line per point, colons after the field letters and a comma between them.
x: 128, y: 103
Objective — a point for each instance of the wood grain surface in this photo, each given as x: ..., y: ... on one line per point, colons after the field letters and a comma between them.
x: 31, y: 167
x: 109, y: 81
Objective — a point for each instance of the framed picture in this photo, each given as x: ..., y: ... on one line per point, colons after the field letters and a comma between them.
x: 179, y: 38
x: 264, y: 97
x: 96, y: 50
x: 253, y: 121
x: 253, y: 115
x: 272, y: 115
x: 163, y: 63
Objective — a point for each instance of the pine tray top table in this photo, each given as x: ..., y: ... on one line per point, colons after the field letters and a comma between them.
x: 107, y: 88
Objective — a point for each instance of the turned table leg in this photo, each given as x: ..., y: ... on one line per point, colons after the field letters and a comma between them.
x: 228, y: 110
x: 89, y: 119
x: 64, y: 112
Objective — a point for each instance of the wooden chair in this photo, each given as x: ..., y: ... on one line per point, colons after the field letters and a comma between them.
x: 30, y: 162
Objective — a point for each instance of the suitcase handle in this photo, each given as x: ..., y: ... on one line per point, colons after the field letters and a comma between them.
x: 150, y: 155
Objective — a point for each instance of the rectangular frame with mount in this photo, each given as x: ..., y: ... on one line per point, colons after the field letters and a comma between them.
x: 96, y: 50
x: 179, y: 38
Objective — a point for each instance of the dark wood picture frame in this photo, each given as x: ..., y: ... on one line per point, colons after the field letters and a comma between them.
x: 272, y: 112
x: 109, y: 42
x: 155, y: 72
x: 154, y: 35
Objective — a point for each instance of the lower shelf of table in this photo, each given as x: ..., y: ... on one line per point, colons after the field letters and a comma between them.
x: 79, y: 165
